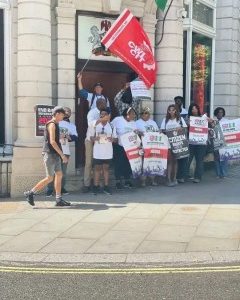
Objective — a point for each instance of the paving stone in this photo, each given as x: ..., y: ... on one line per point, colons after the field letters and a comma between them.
x: 86, y: 230
x: 212, y: 244
x: 215, y: 229
x: 16, y: 226
x: 172, y: 233
x: 5, y: 238
x: 223, y: 214
x: 109, y: 216
x: 60, y: 221
x: 66, y: 245
x: 130, y: 224
x: 181, y: 219
x: 149, y: 211
x: 161, y: 247
x: 192, y: 209
x: 28, y: 242
x: 117, y: 242
x: 36, y: 213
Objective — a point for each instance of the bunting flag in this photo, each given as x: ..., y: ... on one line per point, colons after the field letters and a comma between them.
x: 127, y: 39
x: 161, y: 4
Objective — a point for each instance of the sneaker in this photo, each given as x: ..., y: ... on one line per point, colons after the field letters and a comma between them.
x: 181, y: 180
x: 85, y: 189
x: 196, y: 180
x: 128, y: 185
x: 119, y: 186
x: 30, y: 197
x: 64, y: 192
x: 171, y: 184
x: 62, y: 202
x: 154, y: 183
x: 96, y: 190
x: 49, y: 193
x: 106, y: 190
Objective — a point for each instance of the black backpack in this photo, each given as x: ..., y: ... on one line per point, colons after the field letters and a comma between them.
x: 127, y: 97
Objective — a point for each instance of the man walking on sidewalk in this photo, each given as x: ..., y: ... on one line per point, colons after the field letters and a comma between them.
x: 52, y: 158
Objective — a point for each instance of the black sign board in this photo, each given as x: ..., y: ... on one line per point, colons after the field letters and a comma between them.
x: 43, y: 115
x: 179, y: 142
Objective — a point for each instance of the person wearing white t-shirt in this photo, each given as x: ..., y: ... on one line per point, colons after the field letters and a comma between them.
x: 102, y: 134
x: 145, y: 124
x: 173, y: 120
x: 122, y: 167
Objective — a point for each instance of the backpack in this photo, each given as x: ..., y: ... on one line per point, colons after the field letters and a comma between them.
x: 127, y: 97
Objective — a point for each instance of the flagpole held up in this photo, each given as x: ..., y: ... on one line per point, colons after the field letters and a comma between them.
x: 85, y: 64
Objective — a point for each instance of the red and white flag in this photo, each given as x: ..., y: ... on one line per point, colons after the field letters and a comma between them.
x: 127, y: 39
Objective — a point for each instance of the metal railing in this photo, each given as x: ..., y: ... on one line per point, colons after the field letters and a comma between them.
x: 5, y: 169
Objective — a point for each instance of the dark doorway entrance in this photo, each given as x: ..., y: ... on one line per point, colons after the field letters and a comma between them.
x: 112, y: 75
x: 2, y: 119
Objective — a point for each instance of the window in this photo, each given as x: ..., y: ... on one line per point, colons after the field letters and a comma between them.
x: 202, y: 13
x: 2, y: 107
x: 201, y: 71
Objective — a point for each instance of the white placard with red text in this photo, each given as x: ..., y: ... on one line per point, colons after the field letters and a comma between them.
x: 155, y: 147
x: 198, y: 131
x: 131, y: 144
x: 231, y: 133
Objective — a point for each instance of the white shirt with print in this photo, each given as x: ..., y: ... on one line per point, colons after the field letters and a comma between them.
x: 172, y: 124
x: 146, y: 126
x: 123, y: 126
x: 103, y: 149
x: 66, y: 129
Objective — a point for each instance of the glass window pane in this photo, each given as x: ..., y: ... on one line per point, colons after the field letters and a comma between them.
x: 201, y: 71
x: 202, y: 13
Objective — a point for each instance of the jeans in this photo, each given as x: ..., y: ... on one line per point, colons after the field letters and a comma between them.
x: 197, y: 151
x: 182, y: 168
x: 221, y: 167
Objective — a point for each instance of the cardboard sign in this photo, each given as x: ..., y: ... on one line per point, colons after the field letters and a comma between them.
x: 231, y: 133
x: 131, y: 144
x: 178, y: 141
x: 43, y: 115
x: 155, y: 147
x: 198, y: 131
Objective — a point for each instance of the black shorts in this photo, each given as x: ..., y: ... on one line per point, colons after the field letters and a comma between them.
x: 101, y: 161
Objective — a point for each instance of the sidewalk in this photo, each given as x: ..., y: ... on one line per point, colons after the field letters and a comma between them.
x: 192, y: 223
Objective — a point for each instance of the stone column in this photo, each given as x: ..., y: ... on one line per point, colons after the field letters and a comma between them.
x: 169, y: 57
x: 149, y: 22
x: 33, y: 87
x: 65, y: 17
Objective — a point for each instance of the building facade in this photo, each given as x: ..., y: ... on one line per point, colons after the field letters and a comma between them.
x: 43, y: 44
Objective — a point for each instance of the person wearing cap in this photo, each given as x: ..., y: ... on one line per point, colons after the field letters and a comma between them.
x: 179, y: 104
x: 145, y: 124
x: 91, y: 97
x: 53, y: 157
x: 93, y: 118
x: 68, y: 133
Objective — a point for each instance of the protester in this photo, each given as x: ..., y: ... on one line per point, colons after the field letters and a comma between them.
x: 91, y: 97
x: 173, y: 120
x: 122, y: 168
x: 53, y: 157
x: 93, y: 118
x: 220, y: 166
x: 102, y: 135
x: 179, y: 104
x: 145, y: 124
x: 197, y: 151
x: 124, y: 100
x: 68, y: 133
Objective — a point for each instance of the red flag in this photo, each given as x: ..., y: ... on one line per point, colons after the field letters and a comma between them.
x: 127, y: 40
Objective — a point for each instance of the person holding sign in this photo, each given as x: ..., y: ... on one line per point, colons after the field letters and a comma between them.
x: 145, y: 125
x: 53, y: 157
x: 122, y: 168
x: 198, y: 136
x: 173, y: 122
x: 102, y: 135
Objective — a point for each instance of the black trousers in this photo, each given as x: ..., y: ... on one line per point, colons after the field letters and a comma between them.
x: 122, y: 166
x: 197, y: 151
x: 182, y: 168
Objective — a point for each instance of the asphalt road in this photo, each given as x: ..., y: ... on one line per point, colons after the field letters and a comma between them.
x: 212, y: 282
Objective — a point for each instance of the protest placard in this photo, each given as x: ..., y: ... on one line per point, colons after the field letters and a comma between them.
x: 198, y: 130
x: 178, y: 142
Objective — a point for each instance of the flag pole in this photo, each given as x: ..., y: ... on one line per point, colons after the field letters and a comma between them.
x: 85, y: 64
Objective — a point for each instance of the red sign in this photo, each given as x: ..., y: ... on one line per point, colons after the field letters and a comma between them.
x: 127, y: 39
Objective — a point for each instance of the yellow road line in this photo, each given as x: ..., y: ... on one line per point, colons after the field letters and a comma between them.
x: 36, y: 270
